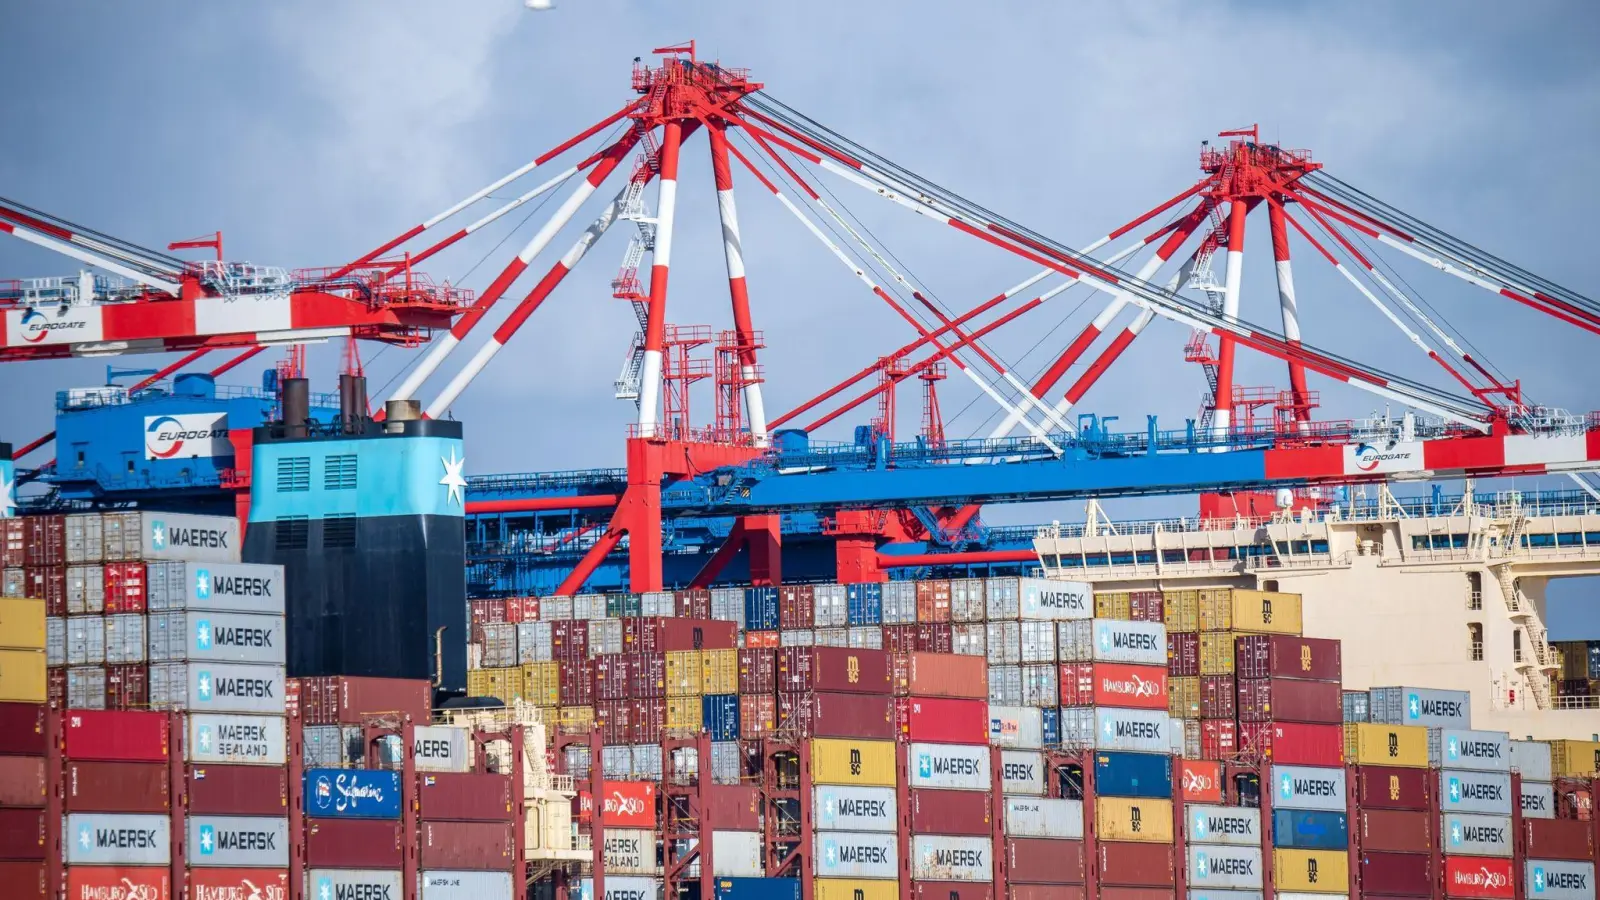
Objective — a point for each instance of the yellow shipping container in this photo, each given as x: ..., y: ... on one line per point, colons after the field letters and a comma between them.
x: 1267, y: 612
x: 1216, y: 652
x: 684, y: 713
x: 575, y: 719
x: 845, y: 761
x: 22, y: 677
x: 719, y: 671
x: 1183, y: 697
x: 21, y: 623
x: 855, y: 889
x: 541, y: 683
x: 1569, y: 758
x: 684, y: 673
x: 503, y: 684
x: 1386, y: 745
x: 1181, y: 610
x: 1113, y: 605
x: 1312, y: 871
x: 1125, y: 819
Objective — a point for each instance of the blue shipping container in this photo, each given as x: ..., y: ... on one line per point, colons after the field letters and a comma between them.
x: 720, y: 716
x: 761, y: 608
x: 1304, y: 829
x: 352, y: 793
x: 1050, y: 726
x: 1133, y: 774
x: 758, y: 889
x: 864, y: 603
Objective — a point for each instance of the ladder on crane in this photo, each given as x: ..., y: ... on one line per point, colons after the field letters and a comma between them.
x: 627, y: 286
x: 1201, y: 278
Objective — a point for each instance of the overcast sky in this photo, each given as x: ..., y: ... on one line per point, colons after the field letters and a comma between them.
x: 310, y: 132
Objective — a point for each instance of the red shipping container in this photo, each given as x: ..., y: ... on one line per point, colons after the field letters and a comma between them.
x: 48, y: 584
x: 1395, y: 873
x: 662, y: 634
x: 353, y: 844
x: 613, y: 677
x: 24, y: 880
x: 128, y: 686
x: 1132, y: 893
x: 569, y: 639
x: 939, y: 675
x: 758, y: 715
x: 45, y: 540
x: 22, y: 728
x: 758, y: 671
x: 1044, y: 861
x: 116, y: 787
x: 22, y: 834
x: 934, y: 638
x: 464, y: 797
x: 1394, y: 831
x: 840, y: 715
x: 120, y: 883
x: 575, y: 681
x: 1200, y: 780
x: 1479, y: 877
x: 1559, y: 839
x: 1391, y: 787
x: 735, y: 807
x: 486, y: 612
x: 933, y: 602
x: 951, y: 890
x: 22, y: 781
x: 1287, y: 700
x: 115, y: 736
x: 55, y: 686
x: 238, y: 790
x: 124, y: 587
x: 612, y: 719
x: 797, y: 606
x: 1293, y: 743
x: 1136, y: 865
x: 473, y: 846
x: 648, y: 725
x: 940, y: 720
x: 13, y: 543
x: 950, y: 812
x: 1287, y: 656
x: 1068, y: 892
x: 1217, y: 697
x: 1147, y: 606
x: 844, y: 670
x: 522, y: 609
x: 649, y: 676
x: 238, y: 884
x: 1219, y: 739
x: 1113, y: 684
x: 629, y: 804
x: 694, y: 603
x: 1183, y: 654
x: 763, y: 640
x: 349, y: 700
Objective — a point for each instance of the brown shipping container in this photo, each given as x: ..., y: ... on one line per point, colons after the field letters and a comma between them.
x: 1136, y: 865
x: 1055, y: 892
x: 464, y: 797
x: 1287, y: 700
x: 238, y: 790
x: 797, y: 606
x: 1559, y: 839
x: 940, y: 675
x: 662, y: 634
x: 117, y: 787
x: 22, y: 781
x: 951, y: 890
x: 1044, y: 861
x: 1395, y: 873
x: 924, y: 638
x: 757, y: 671
x: 1395, y: 830
x: 55, y: 686
x: 348, y: 700
x: 1131, y: 893
x: 1217, y: 694
x: 613, y: 718
x: 950, y: 812
x: 22, y: 834
x: 475, y: 846
x: 353, y: 844
x: 649, y: 720
x: 24, y: 880
x: 569, y: 639
x: 13, y: 542
x: 49, y: 585
x: 1147, y: 606
x: 1286, y: 656
x: 758, y: 715
x: 128, y: 686
x: 45, y: 540
x: 933, y: 601
x: 575, y: 681
x: 839, y: 715
x: 694, y: 603
x: 22, y: 729
x: 735, y: 807
x: 1391, y: 787
x: 844, y: 670
x: 1183, y: 654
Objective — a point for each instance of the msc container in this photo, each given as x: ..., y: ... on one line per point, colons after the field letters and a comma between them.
x: 1287, y: 656
x: 1113, y: 640
x: 1574, y: 759
x: 1559, y: 839
x: 353, y: 883
x: 843, y: 808
x: 950, y: 812
x: 838, y: 715
x: 1288, y: 700
x: 1142, y: 820
x: 1312, y: 871
x: 352, y: 793
x: 1480, y: 751
x: 353, y: 843
x: 236, y: 587
x: 833, y: 669
x: 855, y: 854
x: 1114, y: 684
x: 464, y: 796
x: 1213, y: 867
x: 145, y: 882
x: 238, y: 841
x: 117, y: 840
x: 22, y: 781
x: 1479, y: 878
x: 1394, y: 830
x: 1304, y: 829
x: 1138, y: 775
x: 941, y: 720
x: 853, y: 762
x: 850, y: 889
x: 1107, y: 728
x: 1532, y: 759
x: 1538, y: 800
x: 1021, y: 772
x: 1254, y: 611
x: 1037, y: 817
x: 116, y: 787
x: 1386, y: 745
x: 466, y: 845
x: 1391, y: 787
x: 1559, y: 879
x: 238, y: 790
x: 1234, y: 825
x: 1137, y: 864
x: 1396, y: 874
x: 1308, y: 787
x: 1044, y: 861
x: 952, y: 890
x: 1468, y: 835
x: 949, y: 766
x: 217, y: 687
x: 115, y: 736
x: 1475, y: 792
x: 1420, y: 706
x: 946, y: 858
x: 447, y: 885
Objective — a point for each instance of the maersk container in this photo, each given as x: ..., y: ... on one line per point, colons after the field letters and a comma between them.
x: 243, y: 842
x: 1475, y: 792
x: 1038, y: 817
x: 1133, y: 774
x: 630, y: 851
x: 1308, y: 787
x: 1037, y: 598
x: 971, y: 639
x: 1538, y: 800
x: 621, y: 887
x: 499, y: 645
x: 1233, y: 825
x: 1559, y: 879
x: 1357, y: 707
x: 955, y: 859
x: 1112, y: 640
x: 1306, y: 829
x: 1467, y: 835
x: 440, y: 748
x: 797, y: 637
x: 1016, y: 727
x: 843, y: 808
x: 949, y: 766
x: 605, y: 637
x: 224, y: 587
x: 1038, y: 642
x: 446, y: 885
x: 216, y: 636
x: 1022, y: 772
x: 352, y: 793
x: 719, y: 715
x: 179, y: 536
x: 258, y: 740
x: 1420, y: 706
x: 1212, y: 867
x: 646, y: 761
x: 339, y: 883
x: 103, y: 839
x: 864, y: 603
x: 855, y: 854
x: 217, y: 687
x: 555, y: 608
x: 1479, y: 751
x: 1532, y: 759
x: 1106, y: 728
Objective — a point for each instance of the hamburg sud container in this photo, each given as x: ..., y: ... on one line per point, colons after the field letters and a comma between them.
x: 1113, y: 684
x: 1479, y: 878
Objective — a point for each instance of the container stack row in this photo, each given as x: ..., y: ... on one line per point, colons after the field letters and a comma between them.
x: 24, y: 766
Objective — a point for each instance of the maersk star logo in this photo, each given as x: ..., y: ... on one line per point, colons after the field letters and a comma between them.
x: 830, y: 852
x: 158, y: 534
x: 1110, y: 729
x: 85, y: 839
x: 1105, y: 638
x: 453, y: 479
x: 8, y: 497
x: 1286, y: 786
x: 1455, y: 833
x: 208, y: 840
x: 203, y: 738
x: 1538, y: 880
x: 203, y: 686
x: 1199, y: 825
x: 1413, y: 706
x: 325, y: 889
x: 1202, y: 865
x: 202, y: 634
x: 1455, y: 790
x: 925, y: 765
x: 202, y: 584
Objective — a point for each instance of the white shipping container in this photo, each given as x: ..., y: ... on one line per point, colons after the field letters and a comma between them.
x: 86, y: 687
x: 736, y: 854
x: 832, y: 637
x: 1005, y: 685
x: 1309, y: 787
x: 657, y: 603
x: 439, y: 885
x: 86, y: 590
x: 1213, y: 866
x: 866, y: 637
x: 533, y: 643
x: 1039, y: 817
x: 967, y: 603
x: 589, y: 606
x: 499, y: 645
x: 1016, y: 727
x: 1559, y: 879
x: 625, y: 887
x: 554, y: 608
x: 440, y: 748
x: 899, y: 603
x: 179, y: 536
x: 86, y: 640
x: 1479, y: 751
x: 846, y: 808
x: 332, y: 746
x: 258, y: 740
x: 1112, y: 640
x: 727, y: 604
x: 1475, y: 792
x: 85, y: 539
x: 855, y: 854
x: 120, y: 535
x: 727, y: 762
x: 970, y: 639
x: 1466, y: 835
x: 246, y: 842
x: 1040, y: 686
x: 1022, y: 772
x: 630, y: 851
x: 1037, y: 642
x: 960, y: 767
x: 1238, y: 825
x: 125, y: 641
x: 1004, y: 643
x: 337, y: 883
x: 225, y: 587
x: 937, y: 857
x: 1532, y: 759
x: 217, y: 687
x: 830, y: 606
x: 798, y: 637
x: 214, y: 636
x: 1002, y: 599
x: 55, y: 641
x: 605, y: 636
x: 646, y: 761
x: 1538, y: 800
x: 1043, y: 598
x: 617, y: 762
x: 1108, y: 728
x: 117, y: 840
x: 1420, y: 706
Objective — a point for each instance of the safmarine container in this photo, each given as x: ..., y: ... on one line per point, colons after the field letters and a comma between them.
x: 1213, y: 867
x: 948, y: 858
x: 1020, y: 727
x: 949, y: 766
x: 1420, y: 706
x: 459, y: 885
x: 1233, y: 825
x: 115, y: 787
x: 1133, y: 774
x: 1532, y: 759
x: 1394, y: 830
x: 1478, y: 878
x: 1037, y: 817
x: 352, y: 793
x: 1538, y: 800
x: 1475, y: 792
x: 238, y: 790
x: 1479, y: 751
x: 216, y: 738
x: 1022, y: 772
x: 1305, y: 829
x: 1287, y: 656
x: 855, y: 854
x: 852, y: 762
x: 217, y: 687
x: 1108, y: 728
x: 93, y: 882
x: 1308, y: 787
x: 845, y: 808
x: 934, y: 811
x: 1113, y: 640
x: 238, y: 841
x: 117, y: 840
x: 1386, y: 745
x: 1396, y: 874
x: 336, y: 883
x: 1311, y: 871
x: 1124, y: 819
x: 115, y: 736
x: 467, y: 845
x: 1559, y: 879
x: 204, y: 636
x: 231, y: 587
x: 1467, y: 835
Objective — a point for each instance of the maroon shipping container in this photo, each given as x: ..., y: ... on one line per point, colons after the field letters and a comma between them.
x: 1219, y: 739
x: 662, y: 634
x: 1132, y: 893
x: 1287, y: 700
x: 348, y: 700
x: 1395, y: 873
x: 940, y: 720
x: 758, y: 715
x: 937, y: 638
x: 1147, y: 606
x: 48, y: 584
x: 1070, y: 892
x: 1559, y: 839
x: 758, y: 671
x: 939, y: 675
x: 1391, y: 787
x: 22, y: 834
x: 1394, y: 830
x: 575, y: 681
x: 843, y: 670
x: 1136, y: 865
x: 950, y: 812
x: 116, y: 787
x: 1293, y: 743
x: 1183, y: 654
x: 464, y: 797
x: 1044, y: 861
x: 648, y: 724
x: 476, y: 846
x: 1286, y: 656
x: 115, y: 736
x: 797, y: 606
x: 22, y: 728
x: 649, y: 676
x: 13, y: 543
x: 933, y: 602
x: 1217, y: 694
x: 124, y: 587
x: 44, y: 540
x: 619, y: 676
x: 613, y: 718
x: 840, y: 715
x: 55, y: 686
x: 694, y: 603
x: 569, y: 639
x: 522, y: 609
x: 128, y: 686
x: 238, y: 790
x: 22, y: 781
x: 735, y: 807
x: 24, y: 880
x: 951, y: 890
x: 353, y: 844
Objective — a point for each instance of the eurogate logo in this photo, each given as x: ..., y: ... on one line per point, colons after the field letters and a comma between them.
x: 35, y: 327
x: 189, y: 434
x: 1367, y: 457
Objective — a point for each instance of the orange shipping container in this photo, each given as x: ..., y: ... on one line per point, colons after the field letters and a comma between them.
x: 933, y: 601
x: 939, y: 675
x: 1200, y: 780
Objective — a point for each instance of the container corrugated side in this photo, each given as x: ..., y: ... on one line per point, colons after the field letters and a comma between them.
x: 118, y: 840
x: 1559, y: 879
x: 1210, y: 824
x: 1532, y: 759
x: 1471, y: 835
x: 1386, y: 745
x: 1538, y: 800
x: 1475, y: 792
x: 1038, y: 817
x: 949, y: 858
x: 855, y: 854
x: 844, y: 808
x: 1212, y: 867
x: 1420, y: 706
x: 244, y: 842
x: 337, y: 883
x: 1146, y: 820
x: 1480, y: 751
x: 1311, y: 871
x: 949, y: 766
x: 853, y: 762
x: 458, y: 885
x: 853, y: 889
x: 1022, y: 772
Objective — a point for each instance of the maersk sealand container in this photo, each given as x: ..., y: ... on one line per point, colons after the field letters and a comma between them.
x: 367, y: 520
